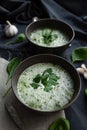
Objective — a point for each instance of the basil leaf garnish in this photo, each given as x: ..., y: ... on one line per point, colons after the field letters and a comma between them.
x: 79, y: 54
x: 60, y: 124
x: 12, y: 66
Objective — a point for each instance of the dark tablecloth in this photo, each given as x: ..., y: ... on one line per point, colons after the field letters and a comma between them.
x: 21, y: 12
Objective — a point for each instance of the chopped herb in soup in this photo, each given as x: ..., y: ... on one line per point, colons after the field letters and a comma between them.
x: 48, y: 78
x: 45, y: 87
x: 49, y: 37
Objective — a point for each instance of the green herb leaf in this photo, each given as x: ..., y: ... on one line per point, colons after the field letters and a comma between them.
x: 79, y: 54
x: 31, y: 104
x: 47, y: 87
x: 54, y: 77
x: 49, y: 71
x: 54, y: 36
x: 48, y: 84
x: 46, y: 32
x: 45, y: 76
x: 48, y: 37
x: 44, y: 79
x: 37, y: 78
x: 11, y: 67
x: 7, y: 91
x: 48, y: 78
x: 86, y: 91
x: 60, y: 124
x: 20, y: 38
x: 52, y: 82
x: 34, y: 85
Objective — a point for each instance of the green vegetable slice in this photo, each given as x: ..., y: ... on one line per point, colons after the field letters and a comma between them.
x: 79, y: 54
x: 60, y: 124
x: 11, y: 67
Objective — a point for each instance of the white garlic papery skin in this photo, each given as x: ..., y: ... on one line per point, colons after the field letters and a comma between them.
x: 10, y: 30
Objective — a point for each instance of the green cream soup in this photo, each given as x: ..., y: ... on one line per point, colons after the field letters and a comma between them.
x: 45, y: 87
x: 49, y: 37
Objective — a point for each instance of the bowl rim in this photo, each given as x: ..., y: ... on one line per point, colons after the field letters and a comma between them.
x: 51, y: 19
x: 43, y: 111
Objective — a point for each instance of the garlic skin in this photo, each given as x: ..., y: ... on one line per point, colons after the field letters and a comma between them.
x: 10, y: 30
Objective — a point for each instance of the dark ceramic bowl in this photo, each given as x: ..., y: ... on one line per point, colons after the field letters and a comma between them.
x: 45, y: 58
x: 52, y: 24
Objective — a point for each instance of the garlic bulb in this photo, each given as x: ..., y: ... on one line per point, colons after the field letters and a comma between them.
x: 10, y: 30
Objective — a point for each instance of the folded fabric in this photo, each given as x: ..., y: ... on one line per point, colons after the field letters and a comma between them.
x: 21, y: 11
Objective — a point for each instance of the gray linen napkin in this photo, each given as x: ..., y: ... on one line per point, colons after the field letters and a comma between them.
x: 32, y: 120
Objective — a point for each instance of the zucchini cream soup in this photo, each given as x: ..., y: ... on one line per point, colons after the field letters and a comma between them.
x: 45, y: 87
x: 49, y: 37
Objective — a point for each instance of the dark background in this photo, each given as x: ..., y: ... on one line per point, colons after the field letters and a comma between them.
x: 74, y: 12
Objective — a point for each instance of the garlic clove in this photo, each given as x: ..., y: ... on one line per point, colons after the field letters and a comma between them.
x: 80, y: 70
x: 10, y: 30
x: 84, y: 67
x: 85, y: 75
x: 83, y: 70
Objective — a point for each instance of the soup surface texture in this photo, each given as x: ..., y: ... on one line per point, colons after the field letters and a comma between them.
x: 49, y: 37
x: 45, y: 87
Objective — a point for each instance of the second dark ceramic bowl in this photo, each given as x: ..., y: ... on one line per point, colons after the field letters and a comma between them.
x: 47, y: 58
x: 52, y: 24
